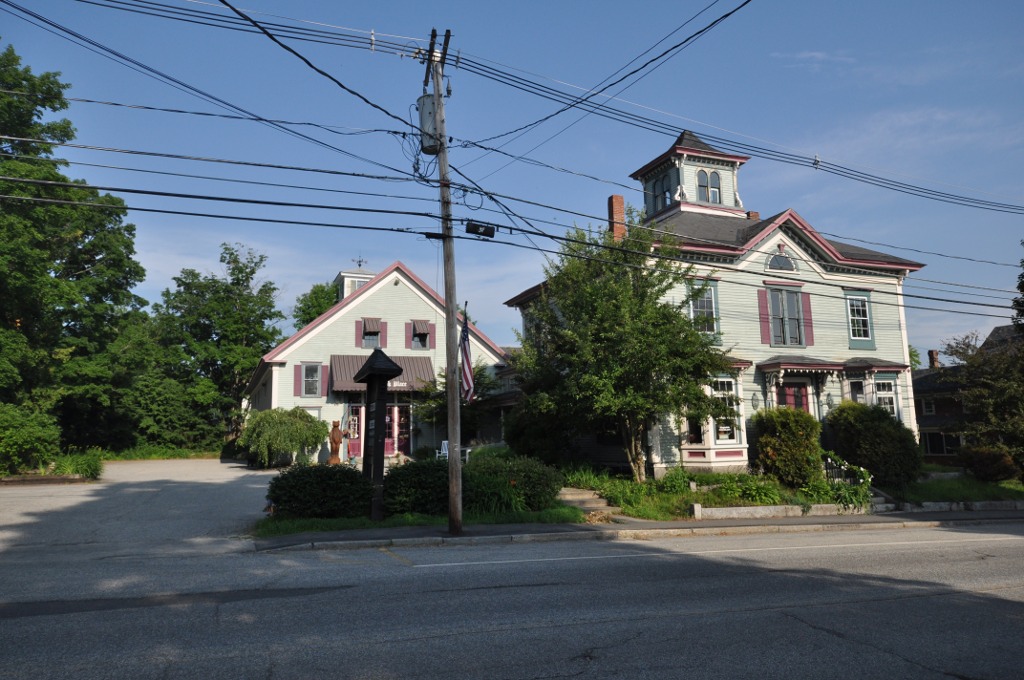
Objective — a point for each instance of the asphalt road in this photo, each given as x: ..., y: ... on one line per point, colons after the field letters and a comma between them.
x: 79, y: 599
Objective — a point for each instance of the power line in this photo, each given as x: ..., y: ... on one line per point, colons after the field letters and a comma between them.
x: 212, y: 178
x: 582, y: 100
x: 316, y: 68
x: 477, y: 67
x: 183, y: 86
x: 465, y: 143
x: 221, y: 199
x: 619, y: 70
x: 474, y: 188
x: 562, y: 239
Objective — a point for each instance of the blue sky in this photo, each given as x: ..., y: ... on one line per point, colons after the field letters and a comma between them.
x: 929, y: 93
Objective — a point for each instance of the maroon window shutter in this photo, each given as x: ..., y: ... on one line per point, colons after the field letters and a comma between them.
x: 359, y: 333
x: 383, y: 334
x: 324, y: 377
x: 763, y: 318
x: 408, y: 334
x: 297, y: 391
x: 805, y: 302
x: 433, y: 336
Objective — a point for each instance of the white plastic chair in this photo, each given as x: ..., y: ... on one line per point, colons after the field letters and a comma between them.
x: 442, y: 453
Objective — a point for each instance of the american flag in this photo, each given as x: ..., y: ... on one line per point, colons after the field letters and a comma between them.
x: 467, y: 362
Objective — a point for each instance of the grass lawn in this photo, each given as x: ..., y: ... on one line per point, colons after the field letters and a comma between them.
x: 962, y: 489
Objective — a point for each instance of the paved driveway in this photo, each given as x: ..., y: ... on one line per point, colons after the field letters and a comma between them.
x: 177, y: 507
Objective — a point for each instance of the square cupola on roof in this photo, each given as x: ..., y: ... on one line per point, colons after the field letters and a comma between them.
x: 692, y: 175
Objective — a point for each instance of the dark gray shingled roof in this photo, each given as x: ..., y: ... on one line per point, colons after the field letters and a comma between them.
x: 697, y: 229
x: 692, y: 141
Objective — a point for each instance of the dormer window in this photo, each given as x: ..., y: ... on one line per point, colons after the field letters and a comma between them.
x: 709, y: 187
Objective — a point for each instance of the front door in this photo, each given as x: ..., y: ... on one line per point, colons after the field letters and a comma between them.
x: 794, y: 395
x: 397, y: 439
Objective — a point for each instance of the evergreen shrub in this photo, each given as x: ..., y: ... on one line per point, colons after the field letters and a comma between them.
x: 788, y: 445
x: 323, y: 491
x: 989, y: 463
x: 420, y: 486
x: 870, y: 437
x: 517, y: 483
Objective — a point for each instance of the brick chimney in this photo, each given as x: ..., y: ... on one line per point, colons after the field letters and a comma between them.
x: 933, y: 358
x: 754, y: 216
x: 617, y: 217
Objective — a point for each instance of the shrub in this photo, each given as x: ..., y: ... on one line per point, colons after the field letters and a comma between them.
x: 991, y: 463
x: 27, y: 439
x: 420, y: 486
x: 677, y: 480
x: 870, y: 437
x: 89, y: 465
x: 321, y: 491
x: 274, y: 436
x: 759, y: 491
x: 529, y: 479
x: 788, y: 445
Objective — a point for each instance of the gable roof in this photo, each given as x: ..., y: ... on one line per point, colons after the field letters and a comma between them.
x: 276, y: 355
x: 724, y: 234
x: 273, y: 356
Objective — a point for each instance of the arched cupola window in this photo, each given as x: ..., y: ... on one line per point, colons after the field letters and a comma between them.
x: 709, y: 187
x: 661, y: 193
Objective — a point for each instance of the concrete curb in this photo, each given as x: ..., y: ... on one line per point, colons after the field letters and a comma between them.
x: 630, y: 534
x: 26, y: 480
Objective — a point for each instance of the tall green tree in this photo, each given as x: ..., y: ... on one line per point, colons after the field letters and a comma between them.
x: 610, y: 339
x: 216, y: 329
x: 313, y: 303
x: 990, y: 380
x: 67, y: 265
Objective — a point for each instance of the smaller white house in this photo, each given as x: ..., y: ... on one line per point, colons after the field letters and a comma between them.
x: 314, y: 368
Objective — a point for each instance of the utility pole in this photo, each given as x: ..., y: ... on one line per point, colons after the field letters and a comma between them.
x: 435, y: 68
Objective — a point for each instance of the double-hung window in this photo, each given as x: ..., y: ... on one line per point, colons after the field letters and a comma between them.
x: 784, y: 307
x: 858, y: 317
x: 311, y: 380
x: 702, y: 309
x: 725, y: 429
x: 784, y: 312
x: 885, y: 395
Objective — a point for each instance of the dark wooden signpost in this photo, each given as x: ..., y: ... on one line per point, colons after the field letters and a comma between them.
x: 376, y: 372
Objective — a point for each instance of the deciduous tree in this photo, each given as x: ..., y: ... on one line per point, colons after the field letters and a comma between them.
x: 218, y: 327
x: 67, y: 265
x: 313, y: 303
x: 610, y: 338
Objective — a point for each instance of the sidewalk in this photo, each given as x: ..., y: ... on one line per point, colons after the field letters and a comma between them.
x: 626, y: 528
